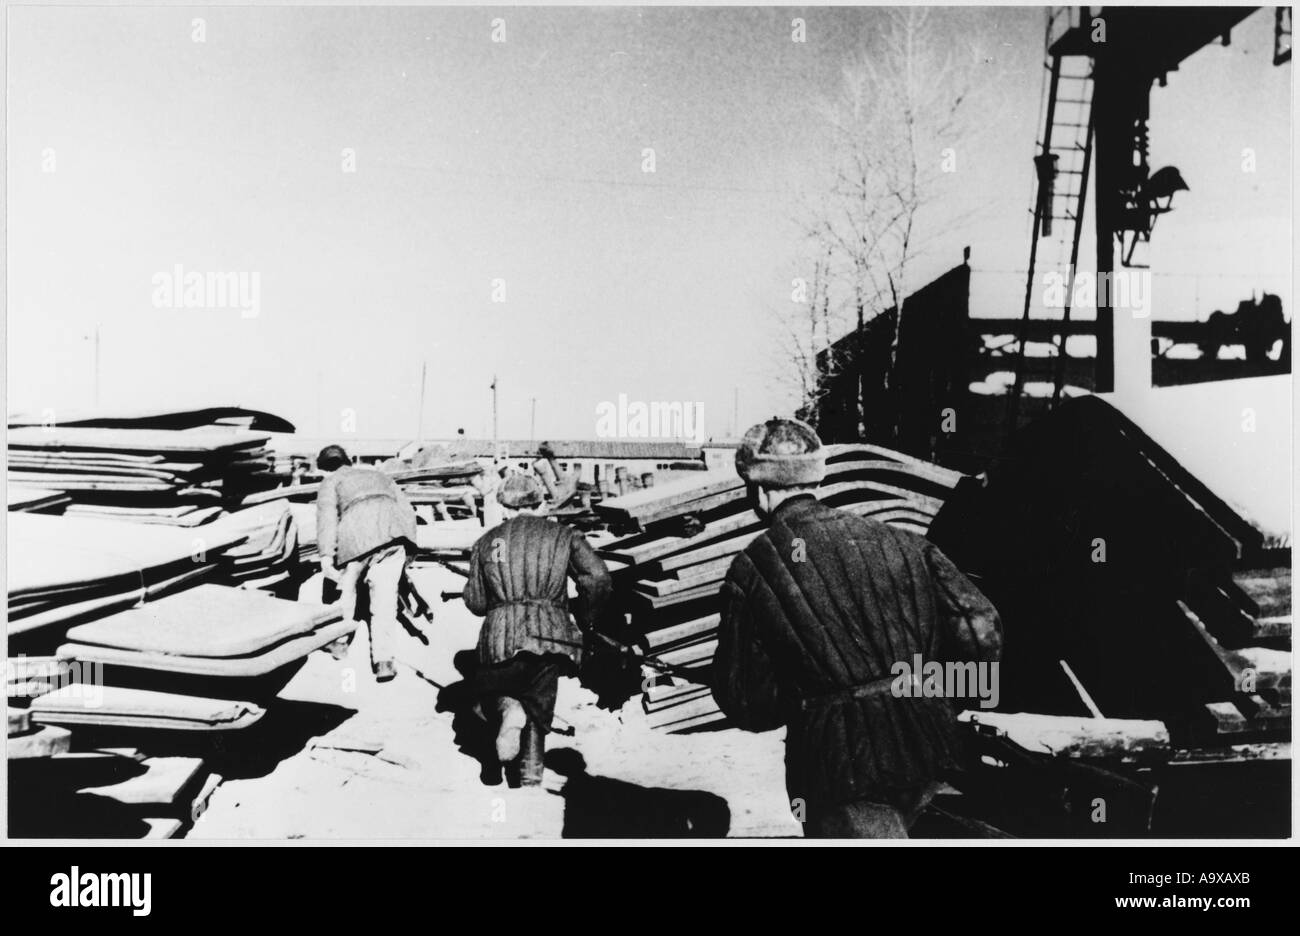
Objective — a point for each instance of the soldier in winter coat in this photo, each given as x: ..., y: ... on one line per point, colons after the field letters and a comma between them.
x: 518, y: 579
x: 817, y: 612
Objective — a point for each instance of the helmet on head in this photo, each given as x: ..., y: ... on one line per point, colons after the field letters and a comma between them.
x: 781, y: 453
x: 519, y: 492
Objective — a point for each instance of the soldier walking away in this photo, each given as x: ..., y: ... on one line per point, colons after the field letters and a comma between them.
x: 518, y: 579
x: 816, y: 612
x: 365, y: 528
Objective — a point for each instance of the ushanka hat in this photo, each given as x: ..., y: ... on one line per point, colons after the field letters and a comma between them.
x: 781, y: 453
x: 519, y: 491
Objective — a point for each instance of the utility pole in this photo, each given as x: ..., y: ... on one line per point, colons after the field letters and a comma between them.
x: 494, y: 411
x: 424, y: 369
x: 532, y: 423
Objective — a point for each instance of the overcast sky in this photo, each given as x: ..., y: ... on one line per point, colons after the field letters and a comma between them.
x: 519, y: 161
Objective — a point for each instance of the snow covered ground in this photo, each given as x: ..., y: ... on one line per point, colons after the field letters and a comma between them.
x: 390, y: 768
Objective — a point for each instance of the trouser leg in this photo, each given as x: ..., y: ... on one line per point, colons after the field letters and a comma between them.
x: 532, y: 755
x: 522, y: 691
x: 856, y: 819
x: 532, y: 679
x: 540, y: 702
x: 383, y: 576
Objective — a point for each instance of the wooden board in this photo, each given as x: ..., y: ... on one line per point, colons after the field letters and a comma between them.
x: 726, y: 548
x: 688, y: 630
x: 1266, y: 592
x: 672, y: 586
x: 45, y: 742
x: 1075, y: 736
x: 18, y: 721
x: 162, y: 783
x: 676, y: 716
x: 691, y: 654
x: 289, y: 651
x: 714, y: 717
x: 142, y: 441
x: 114, y: 706
x: 207, y: 621
x: 638, y: 503
x: 708, y: 590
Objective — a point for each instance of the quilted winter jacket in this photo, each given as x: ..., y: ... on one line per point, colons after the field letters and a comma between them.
x: 816, y: 612
x: 360, y: 510
x: 518, y: 578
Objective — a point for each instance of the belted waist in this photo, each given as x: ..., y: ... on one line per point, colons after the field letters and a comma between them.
x: 867, y: 690
x: 561, y: 603
x: 365, y: 497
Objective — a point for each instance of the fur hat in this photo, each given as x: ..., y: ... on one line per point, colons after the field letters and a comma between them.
x: 519, y: 491
x: 781, y: 453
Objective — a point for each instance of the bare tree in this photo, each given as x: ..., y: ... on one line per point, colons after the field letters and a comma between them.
x: 806, y: 354
x: 902, y: 109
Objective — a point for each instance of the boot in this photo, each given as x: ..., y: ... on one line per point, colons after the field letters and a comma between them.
x: 385, y: 670
x: 532, y: 756
x: 513, y: 719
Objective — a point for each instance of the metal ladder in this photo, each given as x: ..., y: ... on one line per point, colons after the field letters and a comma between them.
x: 1062, y: 168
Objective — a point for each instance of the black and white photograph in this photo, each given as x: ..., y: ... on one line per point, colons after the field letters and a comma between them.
x: 658, y: 424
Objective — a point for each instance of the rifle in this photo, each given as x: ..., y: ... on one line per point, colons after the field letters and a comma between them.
x: 670, y: 669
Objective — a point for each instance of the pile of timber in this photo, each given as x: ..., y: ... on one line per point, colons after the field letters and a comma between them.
x: 117, y: 792
x: 268, y: 553
x: 114, y: 792
x: 233, y: 416
x: 434, y: 484
x: 217, y: 634
x: 138, y: 465
x: 1133, y: 590
x: 62, y: 570
x: 684, y: 535
x: 447, y: 483
x: 179, y: 515
x: 104, y: 733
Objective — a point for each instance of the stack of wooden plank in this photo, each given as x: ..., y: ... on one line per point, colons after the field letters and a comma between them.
x: 210, y: 631
x: 669, y: 571
x: 237, y: 416
x: 1242, y: 628
x: 119, y: 792
x: 435, y: 484
x: 168, y: 680
x: 267, y: 553
x: 179, y: 515
x: 110, y: 792
x: 67, y: 569
x: 119, y: 707
x: 1101, y: 551
x: 304, y: 519
x: 93, y: 462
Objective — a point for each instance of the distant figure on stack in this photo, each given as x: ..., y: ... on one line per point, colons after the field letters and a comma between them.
x: 816, y: 612
x: 365, y: 529
x: 518, y: 578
